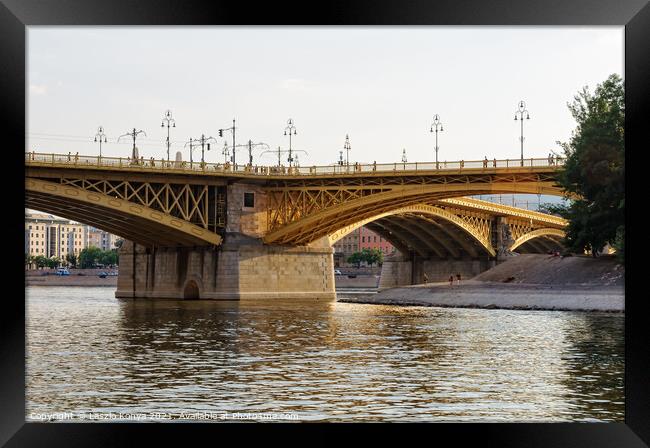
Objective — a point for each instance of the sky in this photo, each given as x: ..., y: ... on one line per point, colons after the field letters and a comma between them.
x: 379, y: 85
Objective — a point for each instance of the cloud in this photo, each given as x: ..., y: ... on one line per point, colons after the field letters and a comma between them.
x: 37, y: 89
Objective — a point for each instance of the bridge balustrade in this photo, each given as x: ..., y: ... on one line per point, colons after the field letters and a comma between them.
x: 356, y: 168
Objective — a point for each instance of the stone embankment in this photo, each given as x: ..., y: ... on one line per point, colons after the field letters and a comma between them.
x: 77, y: 277
x: 539, y: 282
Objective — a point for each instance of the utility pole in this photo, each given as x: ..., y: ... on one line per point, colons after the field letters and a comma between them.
x: 520, y: 111
x: 168, y: 118
x: 232, y: 129
x: 133, y: 134
x: 191, y: 143
x: 102, y: 137
x: 204, y: 140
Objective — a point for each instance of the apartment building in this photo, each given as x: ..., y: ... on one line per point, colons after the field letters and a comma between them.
x: 51, y: 236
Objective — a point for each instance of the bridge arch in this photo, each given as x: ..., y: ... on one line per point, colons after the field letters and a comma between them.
x: 135, y: 222
x: 419, y: 240
x: 539, y: 233
x: 327, y: 221
x: 191, y: 290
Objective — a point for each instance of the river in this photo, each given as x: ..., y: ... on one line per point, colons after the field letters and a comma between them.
x: 96, y: 357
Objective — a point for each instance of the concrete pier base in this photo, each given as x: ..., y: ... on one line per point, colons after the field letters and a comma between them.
x: 400, y: 270
x: 242, y: 268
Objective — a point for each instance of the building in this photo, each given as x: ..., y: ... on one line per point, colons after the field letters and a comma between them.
x: 356, y: 241
x: 51, y: 236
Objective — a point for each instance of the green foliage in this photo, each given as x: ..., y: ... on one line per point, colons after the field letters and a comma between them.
x: 372, y: 256
x: 40, y: 261
x: 595, y: 167
x: 356, y: 259
x: 369, y: 256
x: 71, y: 259
x: 92, y: 256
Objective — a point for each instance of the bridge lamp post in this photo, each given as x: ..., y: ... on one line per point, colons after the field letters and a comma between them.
x: 290, y: 127
x: 436, y: 126
x: 169, y: 120
x: 226, y: 152
x: 102, y: 138
x: 133, y: 134
x: 347, y: 148
x: 520, y: 111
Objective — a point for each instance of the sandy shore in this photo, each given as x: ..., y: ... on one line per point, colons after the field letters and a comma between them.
x: 477, y: 294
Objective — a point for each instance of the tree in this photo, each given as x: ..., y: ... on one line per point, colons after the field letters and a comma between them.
x: 372, y: 256
x: 88, y: 257
x: 52, y: 262
x: 356, y: 258
x: 40, y: 261
x: 594, y: 170
x: 71, y: 259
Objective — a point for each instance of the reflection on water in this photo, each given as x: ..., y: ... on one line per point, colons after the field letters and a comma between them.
x: 89, y: 352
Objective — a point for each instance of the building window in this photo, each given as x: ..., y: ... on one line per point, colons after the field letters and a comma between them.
x: 249, y: 200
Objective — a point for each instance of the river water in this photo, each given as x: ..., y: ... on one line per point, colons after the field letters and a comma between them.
x: 96, y: 357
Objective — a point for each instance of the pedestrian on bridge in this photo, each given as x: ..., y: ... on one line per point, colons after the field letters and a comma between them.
x: 494, y: 162
x: 485, y: 162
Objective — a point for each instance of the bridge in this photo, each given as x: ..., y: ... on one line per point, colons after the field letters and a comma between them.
x: 222, y: 231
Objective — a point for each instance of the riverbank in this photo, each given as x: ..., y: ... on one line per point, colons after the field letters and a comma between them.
x: 528, y: 282
x: 477, y: 294
x: 77, y: 277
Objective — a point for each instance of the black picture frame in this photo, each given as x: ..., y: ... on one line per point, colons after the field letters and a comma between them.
x: 16, y: 15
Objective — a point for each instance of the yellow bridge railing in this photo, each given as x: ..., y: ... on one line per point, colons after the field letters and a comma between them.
x: 157, y: 165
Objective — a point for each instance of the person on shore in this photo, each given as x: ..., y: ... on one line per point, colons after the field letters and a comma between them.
x: 451, y: 280
x: 426, y: 278
x: 458, y: 278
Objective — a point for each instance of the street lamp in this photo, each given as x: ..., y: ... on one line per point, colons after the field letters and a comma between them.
x: 290, y: 127
x: 521, y: 110
x: 347, y: 148
x: 102, y: 138
x: 169, y: 120
x: 226, y: 152
x: 437, y: 126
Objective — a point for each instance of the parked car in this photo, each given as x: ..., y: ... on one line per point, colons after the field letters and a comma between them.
x: 337, y: 272
x: 62, y: 271
x: 102, y: 275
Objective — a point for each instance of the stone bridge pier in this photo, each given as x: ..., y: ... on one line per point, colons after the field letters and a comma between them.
x: 242, y: 267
